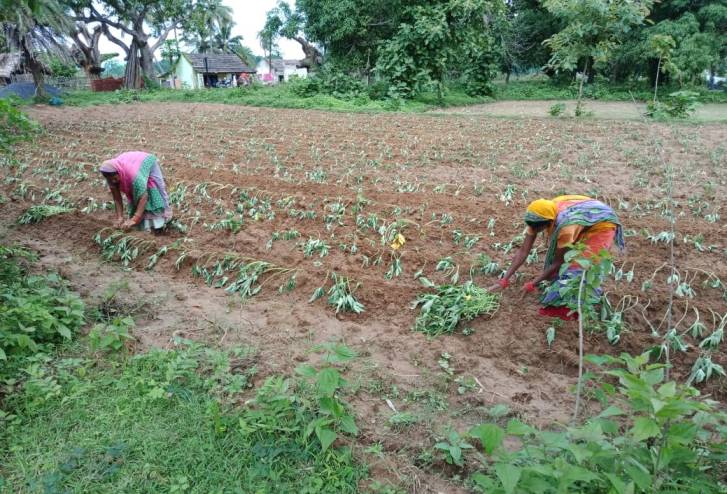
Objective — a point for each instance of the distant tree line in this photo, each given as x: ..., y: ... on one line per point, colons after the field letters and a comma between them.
x: 417, y: 44
x: 404, y: 46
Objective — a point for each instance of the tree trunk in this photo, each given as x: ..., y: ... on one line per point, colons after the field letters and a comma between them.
x: 36, y: 69
x: 132, y: 77
x: 313, y: 57
x: 87, y: 53
x: 579, y: 104
x: 38, y: 78
x: 507, y: 77
x: 92, y: 73
x: 656, y: 81
x: 147, y: 61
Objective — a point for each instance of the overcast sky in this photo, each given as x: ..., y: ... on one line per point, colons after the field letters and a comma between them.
x: 249, y: 16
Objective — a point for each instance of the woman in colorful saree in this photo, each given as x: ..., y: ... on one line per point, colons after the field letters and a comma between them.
x: 566, y: 220
x: 138, y: 176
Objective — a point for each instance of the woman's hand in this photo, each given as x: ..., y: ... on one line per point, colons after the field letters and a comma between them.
x: 500, y: 285
x: 130, y: 223
x: 119, y: 223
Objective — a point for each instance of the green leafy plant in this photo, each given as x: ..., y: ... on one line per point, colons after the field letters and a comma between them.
x: 441, y: 312
x: 453, y: 446
x: 341, y: 296
x: 556, y: 110
x: 14, y: 124
x: 333, y: 414
x: 112, y: 335
x: 125, y: 248
x: 37, y: 213
x: 680, y: 104
x: 652, y: 435
x: 34, y: 309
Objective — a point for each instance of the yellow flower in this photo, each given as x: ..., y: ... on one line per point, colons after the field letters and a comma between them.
x: 398, y: 242
x: 468, y: 297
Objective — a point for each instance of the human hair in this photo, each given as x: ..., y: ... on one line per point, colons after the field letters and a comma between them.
x: 537, y: 224
x: 109, y: 174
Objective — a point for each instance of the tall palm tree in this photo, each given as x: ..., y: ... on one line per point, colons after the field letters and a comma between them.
x: 223, y: 41
x: 205, y: 24
x: 34, y: 27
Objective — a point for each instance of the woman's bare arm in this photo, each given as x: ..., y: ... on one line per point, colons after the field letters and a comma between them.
x: 139, y: 213
x: 520, y: 256
x: 554, y: 268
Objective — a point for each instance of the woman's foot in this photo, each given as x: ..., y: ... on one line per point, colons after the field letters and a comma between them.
x: 563, y: 313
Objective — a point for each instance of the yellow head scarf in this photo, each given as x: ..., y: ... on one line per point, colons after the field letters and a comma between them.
x: 544, y: 208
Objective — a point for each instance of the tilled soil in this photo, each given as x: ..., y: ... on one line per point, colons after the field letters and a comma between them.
x: 449, y: 178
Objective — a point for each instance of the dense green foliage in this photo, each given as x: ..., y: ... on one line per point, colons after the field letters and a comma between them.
x: 14, y: 124
x: 296, y: 94
x: 652, y: 435
x: 34, y: 309
x: 407, y: 46
x: 439, y: 38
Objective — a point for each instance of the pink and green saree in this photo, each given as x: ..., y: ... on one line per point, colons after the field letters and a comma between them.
x: 139, y: 173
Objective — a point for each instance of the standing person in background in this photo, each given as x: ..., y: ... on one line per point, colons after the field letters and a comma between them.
x: 137, y: 174
x: 565, y: 221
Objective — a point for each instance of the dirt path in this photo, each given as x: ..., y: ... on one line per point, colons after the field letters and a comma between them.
x: 611, y: 110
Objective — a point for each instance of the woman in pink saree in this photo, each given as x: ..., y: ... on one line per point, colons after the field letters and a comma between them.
x: 138, y: 176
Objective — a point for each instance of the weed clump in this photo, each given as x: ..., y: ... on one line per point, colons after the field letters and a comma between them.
x: 442, y: 311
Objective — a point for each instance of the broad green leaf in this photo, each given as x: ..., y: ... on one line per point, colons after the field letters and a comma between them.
x: 483, y: 482
x: 654, y: 376
x: 490, y: 435
x: 517, y: 428
x: 578, y: 474
x: 325, y: 436
x: 579, y: 452
x: 618, y: 485
x: 331, y: 406
x: 64, y: 331
x: 328, y: 381
x: 667, y: 390
x: 657, y: 404
x: 306, y: 370
x: 611, y: 411
x: 639, y: 474
x: 644, y: 428
x: 348, y: 425
x: 509, y: 475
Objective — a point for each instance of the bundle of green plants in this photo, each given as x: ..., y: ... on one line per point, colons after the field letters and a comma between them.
x: 441, y: 311
x: 39, y: 212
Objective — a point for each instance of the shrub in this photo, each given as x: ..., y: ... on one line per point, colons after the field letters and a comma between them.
x: 557, y: 109
x: 34, y: 309
x: 680, y: 104
x: 652, y: 436
x: 14, y: 125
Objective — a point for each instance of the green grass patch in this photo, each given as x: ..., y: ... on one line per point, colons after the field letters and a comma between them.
x: 166, y: 421
x: 543, y: 89
x: 279, y: 96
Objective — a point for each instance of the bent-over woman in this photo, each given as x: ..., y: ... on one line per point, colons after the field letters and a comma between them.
x: 137, y: 174
x: 565, y: 221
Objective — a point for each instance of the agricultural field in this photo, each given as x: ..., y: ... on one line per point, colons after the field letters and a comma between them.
x: 296, y: 228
